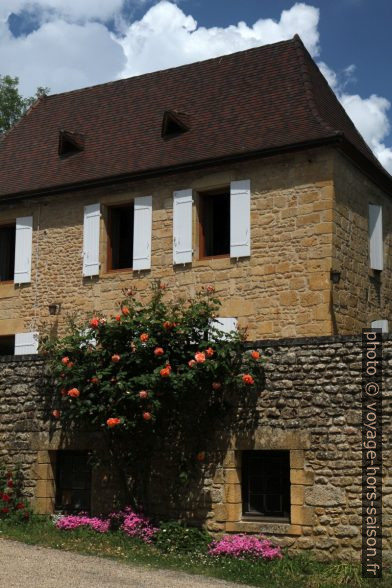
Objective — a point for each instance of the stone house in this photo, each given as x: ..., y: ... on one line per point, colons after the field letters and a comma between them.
x: 243, y: 171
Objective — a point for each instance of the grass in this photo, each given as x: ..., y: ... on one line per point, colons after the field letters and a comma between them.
x: 297, y: 571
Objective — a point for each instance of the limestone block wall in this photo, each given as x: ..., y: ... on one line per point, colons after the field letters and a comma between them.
x: 310, y: 405
x: 362, y: 295
x: 282, y: 289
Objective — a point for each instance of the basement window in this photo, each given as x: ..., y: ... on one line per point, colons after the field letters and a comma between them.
x: 214, y: 224
x: 73, y: 481
x: 7, y: 345
x: 7, y: 252
x: 266, y: 485
x: 120, y: 237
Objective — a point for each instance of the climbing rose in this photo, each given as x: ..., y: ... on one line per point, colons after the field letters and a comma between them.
x: 94, y: 322
x: 247, y: 379
x: 216, y: 385
x: 144, y: 337
x: 56, y: 414
x: 200, y: 357
x: 20, y: 505
x: 10, y: 484
x: 74, y: 392
x: 125, y: 310
x: 167, y: 325
x: 63, y: 391
x: 65, y: 360
x: 118, y: 317
x: 165, y: 372
x: 143, y: 394
x: 210, y: 289
x: 113, y: 422
x: 94, y: 380
x: 146, y: 416
x: 158, y: 351
x: 115, y: 358
x: 210, y: 352
x: 191, y: 363
x: 255, y: 354
x: 70, y: 364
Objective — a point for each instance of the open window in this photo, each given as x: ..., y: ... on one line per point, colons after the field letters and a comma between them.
x: 7, y: 252
x: 7, y: 345
x: 266, y: 485
x: 73, y: 481
x: 214, y: 223
x: 120, y: 237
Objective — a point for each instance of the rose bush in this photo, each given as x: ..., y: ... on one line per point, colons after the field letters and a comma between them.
x: 12, y: 502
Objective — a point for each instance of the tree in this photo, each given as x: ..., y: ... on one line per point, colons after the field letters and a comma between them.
x: 153, y: 371
x: 12, y: 104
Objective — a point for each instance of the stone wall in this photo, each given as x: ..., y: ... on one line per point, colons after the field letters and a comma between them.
x: 310, y: 405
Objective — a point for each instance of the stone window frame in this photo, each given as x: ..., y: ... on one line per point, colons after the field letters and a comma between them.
x: 269, y: 439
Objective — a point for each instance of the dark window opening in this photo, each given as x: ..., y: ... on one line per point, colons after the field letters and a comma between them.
x: 174, y: 123
x: 214, y: 218
x: 7, y: 345
x: 120, y: 242
x: 266, y: 484
x: 73, y: 481
x: 7, y: 252
x: 70, y: 143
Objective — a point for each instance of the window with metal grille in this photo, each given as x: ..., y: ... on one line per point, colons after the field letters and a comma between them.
x: 266, y: 484
x: 73, y: 481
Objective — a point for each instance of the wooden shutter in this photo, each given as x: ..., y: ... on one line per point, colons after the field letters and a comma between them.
x: 23, y: 249
x: 142, y: 225
x: 182, y: 226
x: 376, y: 245
x: 92, y: 217
x: 26, y: 343
x: 240, y: 218
x: 381, y: 324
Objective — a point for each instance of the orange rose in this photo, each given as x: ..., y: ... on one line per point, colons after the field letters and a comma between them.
x: 191, y: 363
x: 144, y: 337
x: 146, y: 416
x: 167, y: 325
x: 143, y: 394
x: 210, y: 352
x: 56, y: 414
x: 125, y: 310
x: 65, y: 360
x: 117, y: 317
x: 113, y: 422
x: 216, y: 385
x: 255, y: 354
x: 94, y: 322
x: 165, y: 372
x: 247, y: 379
x: 74, y: 393
x: 210, y: 289
x: 200, y: 357
x: 70, y: 364
x: 115, y: 358
x: 201, y: 456
x: 94, y: 380
x: 158, y: 351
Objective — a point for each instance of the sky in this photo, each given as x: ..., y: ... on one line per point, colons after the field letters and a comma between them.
x: 69, y: 44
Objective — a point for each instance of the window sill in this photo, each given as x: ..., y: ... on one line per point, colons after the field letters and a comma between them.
x: 7, y: 289
x: 263, y: 526
x: 208, y: 257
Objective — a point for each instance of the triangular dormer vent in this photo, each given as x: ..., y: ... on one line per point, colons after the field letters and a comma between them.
x: 174, y: 123
x: 70, y: 143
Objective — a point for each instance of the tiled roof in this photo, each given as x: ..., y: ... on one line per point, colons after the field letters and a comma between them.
x: 255, y: 101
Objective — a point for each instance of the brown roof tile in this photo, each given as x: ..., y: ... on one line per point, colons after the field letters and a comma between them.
x: 253, y: 101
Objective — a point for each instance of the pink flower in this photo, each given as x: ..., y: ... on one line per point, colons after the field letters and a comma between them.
x: 143, y: 394
x: 191, y: 363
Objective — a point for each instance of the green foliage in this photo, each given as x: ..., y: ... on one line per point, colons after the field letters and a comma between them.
x: 12, y: 105
x: 173, y: 537
x: 13, y: 505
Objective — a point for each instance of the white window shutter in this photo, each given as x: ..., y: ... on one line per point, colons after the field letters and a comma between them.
x: 92, y: 217
x: 376, y: 245
x: 142, y: 225
x: 182, y: 226
x: 23, y: 249
x: 381, y: 324
x: 240, y: 218
x: 26, y: 343
x: 224, y: 325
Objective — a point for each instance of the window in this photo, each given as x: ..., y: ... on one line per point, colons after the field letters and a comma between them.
x: 376, y: 244
x: 7, y: 252
x: 266, y: 484
x: 7, y: 345
x: 381, y: 324
x: 73, y: 481
x: 120, y: 237
x: 214, y: 219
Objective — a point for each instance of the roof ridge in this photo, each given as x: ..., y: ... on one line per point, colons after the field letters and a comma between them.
x: 308, y: 86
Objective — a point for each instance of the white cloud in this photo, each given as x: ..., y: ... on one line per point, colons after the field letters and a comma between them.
x: 69, y: 10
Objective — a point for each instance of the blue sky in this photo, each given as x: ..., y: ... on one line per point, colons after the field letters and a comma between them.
x: 66, y: 44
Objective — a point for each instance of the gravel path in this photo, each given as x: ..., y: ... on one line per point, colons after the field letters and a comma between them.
x: 28, y: 566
